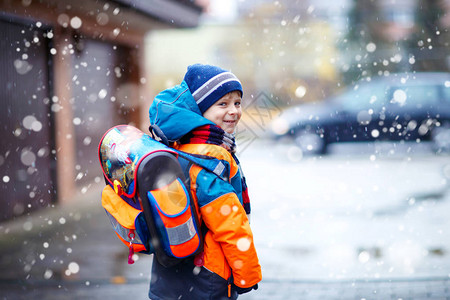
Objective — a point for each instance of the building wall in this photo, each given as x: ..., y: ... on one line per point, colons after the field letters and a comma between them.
x: 83, y: 79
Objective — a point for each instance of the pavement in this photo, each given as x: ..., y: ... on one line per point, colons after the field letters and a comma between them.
x: 70, y: 252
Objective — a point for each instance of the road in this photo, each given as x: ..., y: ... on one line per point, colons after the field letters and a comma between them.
x: 350, y: 215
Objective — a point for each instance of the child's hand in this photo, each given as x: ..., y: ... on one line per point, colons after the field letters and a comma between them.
x: 240, y: 290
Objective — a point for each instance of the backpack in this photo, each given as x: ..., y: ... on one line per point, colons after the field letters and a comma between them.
x: 147, y: 194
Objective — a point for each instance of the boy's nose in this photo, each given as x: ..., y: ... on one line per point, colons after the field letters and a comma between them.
x: 232, y: 110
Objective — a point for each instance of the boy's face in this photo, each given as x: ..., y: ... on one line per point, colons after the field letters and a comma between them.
x: 226, y: 112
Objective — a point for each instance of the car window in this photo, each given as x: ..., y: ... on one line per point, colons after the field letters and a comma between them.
x: 446, y: 91
x: 363, y: 97
x: 414, y: 95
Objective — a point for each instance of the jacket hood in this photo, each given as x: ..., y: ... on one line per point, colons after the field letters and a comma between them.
x: 176, y: 113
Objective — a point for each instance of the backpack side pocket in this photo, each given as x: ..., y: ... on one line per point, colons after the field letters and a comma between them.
x: 170, y: 206
x: 124, y: 218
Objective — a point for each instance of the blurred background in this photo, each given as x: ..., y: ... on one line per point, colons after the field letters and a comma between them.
x: 344, y: 139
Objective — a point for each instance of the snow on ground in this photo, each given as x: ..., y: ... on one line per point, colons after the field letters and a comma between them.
x: 353, y: 214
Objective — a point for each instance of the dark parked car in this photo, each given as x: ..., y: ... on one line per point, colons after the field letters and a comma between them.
x: 408, y: 106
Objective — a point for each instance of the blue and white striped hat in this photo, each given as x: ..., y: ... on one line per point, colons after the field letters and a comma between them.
x: 210, y: 83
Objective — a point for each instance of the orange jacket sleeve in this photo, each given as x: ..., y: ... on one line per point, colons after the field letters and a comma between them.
x: 227, y: 221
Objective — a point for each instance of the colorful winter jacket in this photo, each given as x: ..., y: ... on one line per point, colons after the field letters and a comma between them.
x: 229, y: 251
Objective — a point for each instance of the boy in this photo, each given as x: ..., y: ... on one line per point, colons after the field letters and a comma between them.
x: 199, y: 116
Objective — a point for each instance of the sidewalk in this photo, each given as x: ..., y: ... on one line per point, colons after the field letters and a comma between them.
x: 67, y: 252
x: 71, y: 252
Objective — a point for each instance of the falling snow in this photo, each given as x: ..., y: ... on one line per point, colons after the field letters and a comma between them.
x: 367, y: 214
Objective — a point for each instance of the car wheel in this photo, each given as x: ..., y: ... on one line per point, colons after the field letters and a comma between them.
x: 310, y: 142
x: 441, y: 138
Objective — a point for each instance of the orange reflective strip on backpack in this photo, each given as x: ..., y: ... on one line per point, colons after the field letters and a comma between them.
x: 186, y: 248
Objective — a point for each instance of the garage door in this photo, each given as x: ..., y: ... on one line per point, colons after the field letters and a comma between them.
x: 27, y: 164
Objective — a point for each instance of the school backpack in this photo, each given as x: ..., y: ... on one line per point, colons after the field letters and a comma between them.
x: 147, y: 194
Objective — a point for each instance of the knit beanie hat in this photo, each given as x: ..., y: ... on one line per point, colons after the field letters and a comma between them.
x: 210, y: 83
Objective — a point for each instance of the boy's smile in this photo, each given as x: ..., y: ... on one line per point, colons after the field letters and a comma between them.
x: 226, y: 112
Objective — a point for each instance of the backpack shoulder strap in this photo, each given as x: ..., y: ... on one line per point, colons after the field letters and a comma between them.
x: 208, y: 163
